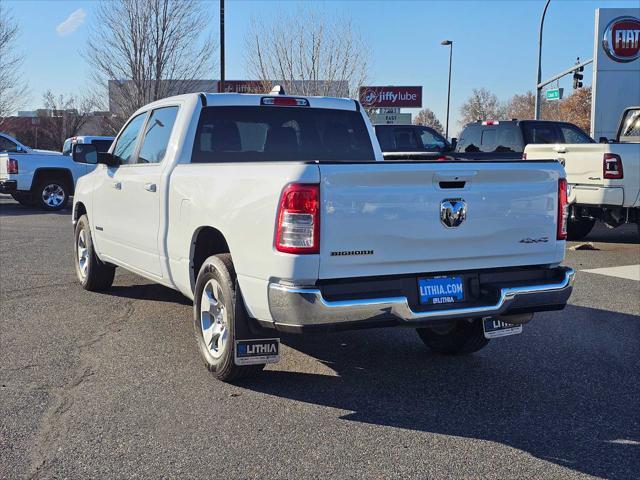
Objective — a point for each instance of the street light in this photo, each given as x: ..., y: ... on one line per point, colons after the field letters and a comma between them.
x: 544, y: 12
x: 450, y: 44
x: 221, y: 87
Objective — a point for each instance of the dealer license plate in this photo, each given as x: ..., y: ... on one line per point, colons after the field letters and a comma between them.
x: 440, y: 290
x: 495, y: 328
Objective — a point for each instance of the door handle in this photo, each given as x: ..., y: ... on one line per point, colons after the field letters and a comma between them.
x: 150, y: 187
x: 560, y: 149
x: 117, y: 185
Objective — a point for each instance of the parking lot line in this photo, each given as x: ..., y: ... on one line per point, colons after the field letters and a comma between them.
x: 631, y: 272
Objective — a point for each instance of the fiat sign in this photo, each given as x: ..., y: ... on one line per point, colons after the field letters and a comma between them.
x: 621, y: 39
x: 378, y: 97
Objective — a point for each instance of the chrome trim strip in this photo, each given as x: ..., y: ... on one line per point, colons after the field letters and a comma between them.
x: 299, y: 306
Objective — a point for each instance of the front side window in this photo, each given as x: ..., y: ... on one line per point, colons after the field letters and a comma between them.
x: 431, y: 141
x: 574, y: 135
x: 156, y: 135
x: 7, y: 145
x: 270, y: 133
x: 126, y: 143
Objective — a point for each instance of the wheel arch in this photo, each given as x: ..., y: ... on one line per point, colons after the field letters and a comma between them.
x: 79, y: 209
x: 43, y: 172
x: 205, y: 241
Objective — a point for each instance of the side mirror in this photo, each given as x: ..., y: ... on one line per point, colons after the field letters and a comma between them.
x: 454, y: 143
x: 603, y: 140
x: 84, y: 153
x: 108, y: 159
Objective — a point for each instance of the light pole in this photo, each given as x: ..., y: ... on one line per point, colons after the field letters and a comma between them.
x: 544, y: 12
x: 450, y: 44
x: 221, y: 88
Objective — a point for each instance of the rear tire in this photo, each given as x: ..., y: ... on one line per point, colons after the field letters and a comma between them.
x: 93, y: 274
x: 216, y: 309
x: 52, y: 193
x: 461, y: 338
x: 24, y: 198
x: 579, y: 228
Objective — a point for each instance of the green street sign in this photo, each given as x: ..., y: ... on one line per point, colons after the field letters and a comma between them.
x: 555, y: 94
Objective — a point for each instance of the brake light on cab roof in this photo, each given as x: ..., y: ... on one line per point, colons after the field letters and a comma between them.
x: 285, y: 101
x: 490, y: 122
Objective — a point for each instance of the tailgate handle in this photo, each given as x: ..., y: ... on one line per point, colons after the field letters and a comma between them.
x: 458, y: 184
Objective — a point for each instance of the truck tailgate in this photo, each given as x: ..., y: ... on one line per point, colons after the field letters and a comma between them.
x: 385, y: 218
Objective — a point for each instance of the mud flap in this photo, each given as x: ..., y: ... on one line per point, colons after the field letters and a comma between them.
x: 253, y: 344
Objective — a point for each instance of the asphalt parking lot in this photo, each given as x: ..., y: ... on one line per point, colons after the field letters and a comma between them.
x: 111, y: 386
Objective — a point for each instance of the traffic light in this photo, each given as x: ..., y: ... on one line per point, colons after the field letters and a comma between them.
x: 577, y: 77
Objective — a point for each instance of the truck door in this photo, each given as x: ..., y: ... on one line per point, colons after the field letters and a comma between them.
x: 136, y: 202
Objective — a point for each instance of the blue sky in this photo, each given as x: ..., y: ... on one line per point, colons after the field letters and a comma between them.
x: 495, y: 42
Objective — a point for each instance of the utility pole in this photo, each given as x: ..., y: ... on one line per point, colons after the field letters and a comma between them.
x: 221, y: 87
x: 450, y: 44
x: 539, y: 78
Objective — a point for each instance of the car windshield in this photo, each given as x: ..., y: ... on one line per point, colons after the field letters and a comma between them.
x: 270, y: 133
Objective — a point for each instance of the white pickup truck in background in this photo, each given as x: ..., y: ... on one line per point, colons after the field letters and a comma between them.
x: 604, y: 177
x: 43, y: 177
x: 278, y: 213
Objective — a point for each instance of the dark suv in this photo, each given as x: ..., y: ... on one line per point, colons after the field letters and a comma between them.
x: 507, y: 139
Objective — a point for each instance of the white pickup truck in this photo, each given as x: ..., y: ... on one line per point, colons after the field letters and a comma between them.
x: 278, y: 213
x: 42, y: 177
x: 604, y: 177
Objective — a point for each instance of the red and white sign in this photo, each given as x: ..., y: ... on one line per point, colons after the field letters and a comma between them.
x: 377, y: 97
x: 621, y: 39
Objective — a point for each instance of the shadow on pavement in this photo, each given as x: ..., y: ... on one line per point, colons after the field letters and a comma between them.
x: 629, y: 233
x: 11, y: 208
x: 567, y: 402
x: 151, y: 291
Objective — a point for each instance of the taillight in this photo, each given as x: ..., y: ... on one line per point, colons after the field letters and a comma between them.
x: 563, y: 209
x: 298, y: 229
x: 612, y: 166
x: 12, y: 165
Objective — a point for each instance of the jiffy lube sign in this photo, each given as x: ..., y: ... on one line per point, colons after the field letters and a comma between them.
x: 391, y: 96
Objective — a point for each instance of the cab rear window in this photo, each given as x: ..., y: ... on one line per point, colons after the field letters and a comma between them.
x: 271, y: 133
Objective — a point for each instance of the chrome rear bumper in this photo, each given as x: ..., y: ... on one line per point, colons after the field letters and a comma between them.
x: 303, y: 307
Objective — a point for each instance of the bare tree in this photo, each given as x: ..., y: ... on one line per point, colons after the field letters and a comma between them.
x: 576, y: 108
x: 522, y: 106
x: 308, y: 53
x: 481, y: 105
x: 12, y: 85
x: 68, y: 116
x: 145, y: 50
x: 428, y: 118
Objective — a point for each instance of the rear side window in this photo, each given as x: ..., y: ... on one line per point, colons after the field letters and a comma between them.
x: 7, y: 145
x: 542, y: 133
x: 573, y: 134
x: 270, y: 133
x: 156, y: 135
